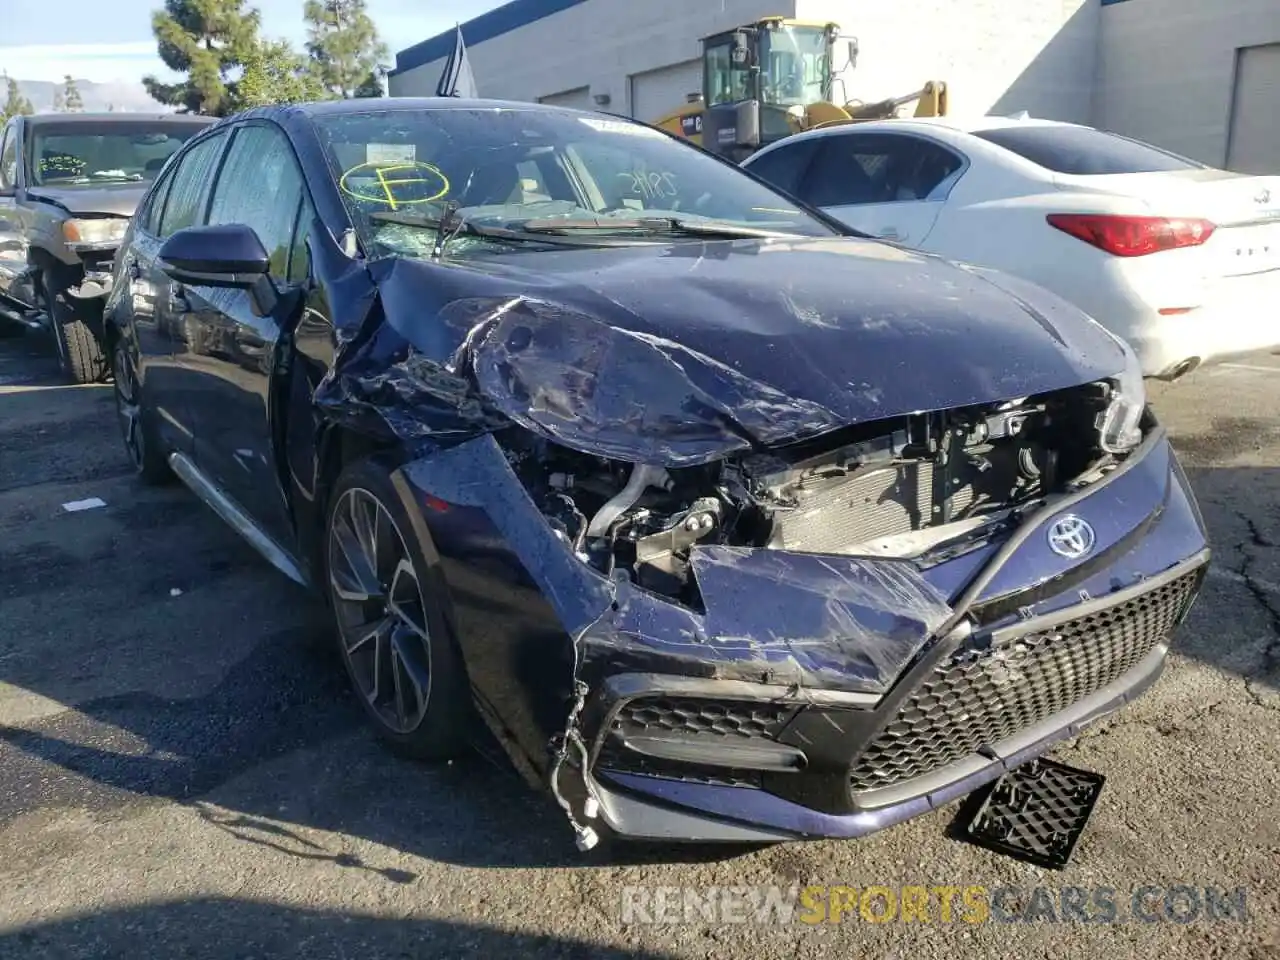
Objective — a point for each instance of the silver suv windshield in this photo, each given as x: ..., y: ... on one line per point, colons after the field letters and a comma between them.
x: 85, y: 152
x: 401, y: 171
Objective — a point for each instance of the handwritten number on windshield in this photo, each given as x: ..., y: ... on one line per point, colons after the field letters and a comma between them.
x: 652, y: 185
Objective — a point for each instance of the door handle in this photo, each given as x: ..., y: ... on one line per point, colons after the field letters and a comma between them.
x: 133, y: 270
x: 890, y: 233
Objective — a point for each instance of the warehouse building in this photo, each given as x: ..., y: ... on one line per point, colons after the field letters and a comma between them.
x: 1201, y: 78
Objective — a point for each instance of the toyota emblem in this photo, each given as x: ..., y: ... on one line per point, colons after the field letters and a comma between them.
x: 1071, y: 537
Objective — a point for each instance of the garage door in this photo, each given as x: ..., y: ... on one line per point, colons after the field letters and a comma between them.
x: 1255, y: 123
x: 579, y: 98
x: 658, y: 92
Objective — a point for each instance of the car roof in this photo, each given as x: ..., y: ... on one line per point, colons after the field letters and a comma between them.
x: 40, y: 119
x: 325, y: 108
x: 964, y: 124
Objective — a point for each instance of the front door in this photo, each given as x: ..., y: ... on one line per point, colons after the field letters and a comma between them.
x: 13, y: 244
x: 234, y: 352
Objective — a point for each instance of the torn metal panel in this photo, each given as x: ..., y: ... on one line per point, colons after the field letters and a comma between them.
x: 846, y: 622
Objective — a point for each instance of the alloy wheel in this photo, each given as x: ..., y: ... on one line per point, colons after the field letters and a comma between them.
x: 380, y: 610
x: 127, y: 407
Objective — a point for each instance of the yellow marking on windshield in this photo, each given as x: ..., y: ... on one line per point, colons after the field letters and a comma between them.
x: 388, y: 188
x: 382, y: 182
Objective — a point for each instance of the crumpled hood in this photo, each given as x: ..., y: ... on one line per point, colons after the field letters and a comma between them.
x: 118, y: 199
x: 678, y: 354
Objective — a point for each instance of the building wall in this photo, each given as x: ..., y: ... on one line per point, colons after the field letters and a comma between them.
x: 1167, y: 70
x: 597, y: 43
x: 996, y: 56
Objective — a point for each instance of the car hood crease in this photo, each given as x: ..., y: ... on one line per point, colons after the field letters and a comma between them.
x: 681, y: 353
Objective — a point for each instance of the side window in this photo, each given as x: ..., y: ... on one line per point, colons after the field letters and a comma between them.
x: 184, y: 201
x: 9, y: 159
x: 784, y: 167
x: 261, y: 186
x: 150, y: 219
x: 876, y: 168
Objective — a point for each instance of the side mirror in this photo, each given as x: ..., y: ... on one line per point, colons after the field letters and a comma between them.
x: 853, y: 53
x: 229, y: 255
x: 226, y: 255
x: 740, y: 51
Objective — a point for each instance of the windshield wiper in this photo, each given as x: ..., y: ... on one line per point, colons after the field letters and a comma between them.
x: 450, y: 225
x: 721, y: 229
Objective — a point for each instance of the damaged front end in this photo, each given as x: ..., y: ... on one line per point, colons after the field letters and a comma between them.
x: 735, y: 599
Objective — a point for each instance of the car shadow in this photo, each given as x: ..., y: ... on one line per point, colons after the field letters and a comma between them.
x: 228, y: 929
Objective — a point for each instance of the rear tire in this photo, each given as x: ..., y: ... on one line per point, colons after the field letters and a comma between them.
x: 140, y: 441
x: 80, y: 353
x: 389, y: 607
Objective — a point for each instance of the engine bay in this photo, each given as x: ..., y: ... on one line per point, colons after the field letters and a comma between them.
x: 897, y: 488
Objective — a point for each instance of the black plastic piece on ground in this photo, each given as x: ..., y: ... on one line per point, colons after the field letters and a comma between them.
x: 1035, y: 812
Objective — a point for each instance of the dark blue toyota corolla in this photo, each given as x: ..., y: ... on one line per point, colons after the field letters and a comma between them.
x: 727, y: 524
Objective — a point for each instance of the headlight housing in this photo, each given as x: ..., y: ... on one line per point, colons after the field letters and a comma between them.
x: 1119, y: 426
x: 97, y: 230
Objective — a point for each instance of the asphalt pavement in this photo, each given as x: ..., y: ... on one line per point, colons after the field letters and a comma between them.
x: 183, y: 774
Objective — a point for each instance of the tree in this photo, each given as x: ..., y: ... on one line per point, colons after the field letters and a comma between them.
x: 15, y: 103
x: 343, y: 42
x: 274, y: 73
x: 71, y: 95
x: 208, y: 41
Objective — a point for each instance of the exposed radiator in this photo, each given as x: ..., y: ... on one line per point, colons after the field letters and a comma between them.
x: 836, y: 514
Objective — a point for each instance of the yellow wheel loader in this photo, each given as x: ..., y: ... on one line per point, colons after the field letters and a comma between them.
x: 772, y: 78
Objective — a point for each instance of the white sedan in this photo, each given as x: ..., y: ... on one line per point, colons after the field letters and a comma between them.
x: 1180, y: 259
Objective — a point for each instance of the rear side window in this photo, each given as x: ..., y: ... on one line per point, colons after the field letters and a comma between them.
x: 784, y: 166
x: 184, y: 205
x: 862, y: 168
x: 1083, y: 151
x: 150, y: 218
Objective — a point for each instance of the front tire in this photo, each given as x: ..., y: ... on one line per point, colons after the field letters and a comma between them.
x: 389, y: 611
x: 80, y: 353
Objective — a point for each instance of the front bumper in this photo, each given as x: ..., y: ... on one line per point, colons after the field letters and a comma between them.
x: 822, y: 696
x: 708, y: 760
x: 702, y: 806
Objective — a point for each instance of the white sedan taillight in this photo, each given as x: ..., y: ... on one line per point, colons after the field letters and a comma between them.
x: 1133, y: 236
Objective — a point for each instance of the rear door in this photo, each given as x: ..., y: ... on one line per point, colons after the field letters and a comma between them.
x: 889, y: 185
x: 177, y: 201
x: 234, y: 352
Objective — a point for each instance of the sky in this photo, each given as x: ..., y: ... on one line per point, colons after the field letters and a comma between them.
x: 84, y: 40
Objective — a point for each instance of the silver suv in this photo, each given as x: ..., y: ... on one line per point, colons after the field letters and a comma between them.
x: 68, y: 185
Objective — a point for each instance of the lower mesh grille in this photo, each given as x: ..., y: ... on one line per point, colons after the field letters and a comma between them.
x: 691, y: 717
x: 983, y: 696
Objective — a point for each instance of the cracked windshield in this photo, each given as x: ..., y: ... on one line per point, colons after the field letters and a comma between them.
x: 494, y: 176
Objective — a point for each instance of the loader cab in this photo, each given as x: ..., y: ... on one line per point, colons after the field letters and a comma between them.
x: 758, y: 78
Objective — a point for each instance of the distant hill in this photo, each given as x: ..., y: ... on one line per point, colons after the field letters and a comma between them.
x: 129, y: 97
